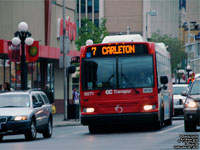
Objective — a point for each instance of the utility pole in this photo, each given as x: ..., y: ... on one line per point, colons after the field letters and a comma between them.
x: 64, y: 66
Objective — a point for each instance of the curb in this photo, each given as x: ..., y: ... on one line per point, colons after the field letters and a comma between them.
x: 63, y: 124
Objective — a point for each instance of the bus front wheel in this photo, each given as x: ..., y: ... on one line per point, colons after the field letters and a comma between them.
x: 92, y: 129
x: 159, y: 123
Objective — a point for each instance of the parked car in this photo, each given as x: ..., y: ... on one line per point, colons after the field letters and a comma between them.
x: 179, y: 100
x: 25, y: 112
x: 192, y: 107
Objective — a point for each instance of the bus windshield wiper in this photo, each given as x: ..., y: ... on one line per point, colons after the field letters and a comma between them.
x: 136, y: 91
x: 99, y: 93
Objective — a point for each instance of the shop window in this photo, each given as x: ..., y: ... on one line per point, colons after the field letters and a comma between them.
x: 50, y: 77
x: 36, y: 78
x: 7, y: 71
x: 1, y: 71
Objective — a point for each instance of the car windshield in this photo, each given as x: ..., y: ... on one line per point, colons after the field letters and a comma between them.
x: 195, y: 90
x: 117, y: 72
x: 14, y: 100
x: 178, y: 89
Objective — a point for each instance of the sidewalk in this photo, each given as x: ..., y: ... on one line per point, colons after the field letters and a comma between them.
x: 58, y: 121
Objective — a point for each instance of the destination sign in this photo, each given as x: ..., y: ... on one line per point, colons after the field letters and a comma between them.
x: 112, y: 50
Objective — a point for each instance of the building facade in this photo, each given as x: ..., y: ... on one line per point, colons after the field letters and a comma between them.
x: 43, y: 19
x: 133, y: 16
x: 190, y: 33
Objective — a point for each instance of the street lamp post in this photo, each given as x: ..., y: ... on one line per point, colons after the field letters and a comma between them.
x: 24, y: 37
x: 150, y: 13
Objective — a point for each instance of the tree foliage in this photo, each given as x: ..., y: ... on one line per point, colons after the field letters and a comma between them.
x: 175, y: 47
x: 90, y: 31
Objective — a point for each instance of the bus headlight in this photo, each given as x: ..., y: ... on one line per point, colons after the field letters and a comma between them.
x: 149, y: 107
x: 190, y: 104
x: 88, y: 110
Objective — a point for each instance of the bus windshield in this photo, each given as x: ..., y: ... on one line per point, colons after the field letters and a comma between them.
x: 117, y: 72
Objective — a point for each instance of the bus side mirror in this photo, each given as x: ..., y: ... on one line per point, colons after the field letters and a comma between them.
x: 163, y: 79
x: 71, y: 69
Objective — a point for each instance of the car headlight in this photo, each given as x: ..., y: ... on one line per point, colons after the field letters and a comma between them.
x: 18, y: 118
x: 183, y: 100
x: 88, y: 110
x: 190, y: 104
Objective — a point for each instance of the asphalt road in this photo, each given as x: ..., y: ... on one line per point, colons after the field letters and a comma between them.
x: 79, y: 138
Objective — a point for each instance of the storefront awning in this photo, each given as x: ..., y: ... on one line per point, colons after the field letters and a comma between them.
x: 44, y: 51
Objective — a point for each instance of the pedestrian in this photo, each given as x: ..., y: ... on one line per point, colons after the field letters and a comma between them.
x: 75, y: 96
x: 1, y: 88
x: 49, y: 94
x: 6, y: 86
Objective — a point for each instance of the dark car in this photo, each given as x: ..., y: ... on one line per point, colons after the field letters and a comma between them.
x: 192, y: 107
x: 25, y: 112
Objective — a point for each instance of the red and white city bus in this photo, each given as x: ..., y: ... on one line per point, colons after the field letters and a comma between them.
x: 125, y: 82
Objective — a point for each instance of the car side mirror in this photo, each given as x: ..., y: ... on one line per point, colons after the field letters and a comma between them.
x: 163, y: 79
x: 37, y: 104
x: 184, y: 93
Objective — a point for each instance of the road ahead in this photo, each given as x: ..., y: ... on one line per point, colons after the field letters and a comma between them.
x: 78, y: 138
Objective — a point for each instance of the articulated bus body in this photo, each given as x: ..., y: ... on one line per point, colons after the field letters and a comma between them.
x: 112, y: 87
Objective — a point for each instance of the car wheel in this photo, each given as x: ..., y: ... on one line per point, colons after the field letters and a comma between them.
x: 168, y: 122
x: 1, y: 138
x: 48, y: 131
x: 189, y: 126
x: 32, y: 133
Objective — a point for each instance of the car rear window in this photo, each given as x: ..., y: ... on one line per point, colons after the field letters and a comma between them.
x: 178, y: 89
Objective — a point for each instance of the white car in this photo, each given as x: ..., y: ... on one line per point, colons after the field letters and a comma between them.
x: 25, y: 112
x: 179, y: 100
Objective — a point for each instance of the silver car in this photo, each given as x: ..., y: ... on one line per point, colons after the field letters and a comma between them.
x: 25, y: 112
x: 179, y: 100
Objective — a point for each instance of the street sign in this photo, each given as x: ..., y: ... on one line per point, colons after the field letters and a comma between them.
x: 66, y: 44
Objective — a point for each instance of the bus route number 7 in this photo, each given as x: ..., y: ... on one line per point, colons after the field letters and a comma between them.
x: 94, y: 50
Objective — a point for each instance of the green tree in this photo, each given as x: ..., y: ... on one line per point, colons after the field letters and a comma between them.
x: 90, y: 31
x: 175, y: 47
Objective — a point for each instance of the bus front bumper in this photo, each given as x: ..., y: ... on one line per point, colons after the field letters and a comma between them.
x: 129, y: 118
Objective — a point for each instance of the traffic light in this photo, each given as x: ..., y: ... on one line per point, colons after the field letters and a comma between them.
x: 75, y: 59
x: 71, y: 69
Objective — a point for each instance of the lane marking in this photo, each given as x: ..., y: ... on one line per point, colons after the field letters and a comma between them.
x: 160, y: 132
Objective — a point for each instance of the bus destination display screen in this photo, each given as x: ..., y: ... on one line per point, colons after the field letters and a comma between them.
x: 112, y: 50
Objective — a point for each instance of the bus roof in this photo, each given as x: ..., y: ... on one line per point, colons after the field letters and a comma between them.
x: 123, y: 38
